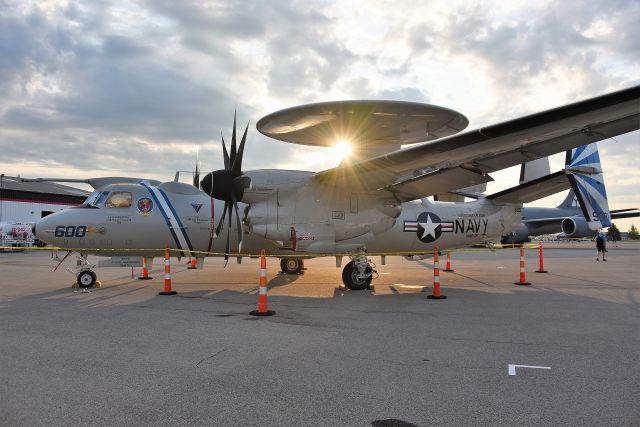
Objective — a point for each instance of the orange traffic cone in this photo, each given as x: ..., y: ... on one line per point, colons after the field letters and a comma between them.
x: 541, y: 257
x: 193, y: 265
x: 523, y: 279
x: 262, y: 295
x: 436, y: 277
x: 145, y: 270
x: 448, y: 267
x: 167, y: 274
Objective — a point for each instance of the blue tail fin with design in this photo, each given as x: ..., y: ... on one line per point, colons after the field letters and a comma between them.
x: 587, y: 183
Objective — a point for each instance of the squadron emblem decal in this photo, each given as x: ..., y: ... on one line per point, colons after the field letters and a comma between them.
x: 145, y: 206
x: 196, y: 206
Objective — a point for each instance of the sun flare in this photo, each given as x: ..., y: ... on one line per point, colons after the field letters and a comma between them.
x: 342, y: 149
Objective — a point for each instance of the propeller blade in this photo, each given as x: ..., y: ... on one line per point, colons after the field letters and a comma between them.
x: 196, y: 176
x: 224, y: 153
x: 232, y: 154
x: 236, y: 168
x: 224, y: 212
x: 239, y: 223
x: 227, y: 247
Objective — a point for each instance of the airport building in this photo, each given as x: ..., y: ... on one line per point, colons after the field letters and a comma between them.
x: 27, y: 202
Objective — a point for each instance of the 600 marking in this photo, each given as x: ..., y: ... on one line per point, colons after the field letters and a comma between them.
x: 71, y: 231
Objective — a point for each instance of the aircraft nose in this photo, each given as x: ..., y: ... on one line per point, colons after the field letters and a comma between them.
x: 43, y: 229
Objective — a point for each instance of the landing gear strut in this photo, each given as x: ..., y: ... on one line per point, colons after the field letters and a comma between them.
x: 291, y: 265
x: 84, y: 272
x: 358, y: 273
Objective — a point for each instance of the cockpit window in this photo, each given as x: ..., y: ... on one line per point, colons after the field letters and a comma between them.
x: 119, y: 199
x: 91, y: 200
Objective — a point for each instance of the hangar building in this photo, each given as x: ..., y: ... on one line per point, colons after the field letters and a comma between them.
x: 27, y: 202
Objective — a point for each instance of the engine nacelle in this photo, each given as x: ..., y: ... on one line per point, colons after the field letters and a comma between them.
x: 576, y: 227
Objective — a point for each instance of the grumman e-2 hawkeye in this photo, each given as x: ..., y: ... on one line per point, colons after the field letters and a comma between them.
x: 375, y: 203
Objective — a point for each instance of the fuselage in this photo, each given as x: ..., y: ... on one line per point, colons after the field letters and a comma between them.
x: 142, y: 219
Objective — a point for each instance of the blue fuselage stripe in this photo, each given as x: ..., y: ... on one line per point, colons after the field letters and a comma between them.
x: 175, y: 215
x: 164, y: 214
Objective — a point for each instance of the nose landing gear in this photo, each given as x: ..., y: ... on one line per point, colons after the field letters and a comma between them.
x: 86, y: 278
x: 358, y: 273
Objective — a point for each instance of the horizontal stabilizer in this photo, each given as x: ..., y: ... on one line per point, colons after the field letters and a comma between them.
x: 625, y: 213
x: 533, y: 190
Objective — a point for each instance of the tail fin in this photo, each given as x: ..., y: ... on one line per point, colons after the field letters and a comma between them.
x: 587, y: 183
x: 570, y: 201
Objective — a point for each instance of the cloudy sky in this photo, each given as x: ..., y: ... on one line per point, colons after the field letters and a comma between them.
x: 136, y: 87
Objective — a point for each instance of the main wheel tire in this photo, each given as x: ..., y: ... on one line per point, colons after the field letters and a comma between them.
x: 351, y: 281
x: 291, y: 265
x: 86, y: 279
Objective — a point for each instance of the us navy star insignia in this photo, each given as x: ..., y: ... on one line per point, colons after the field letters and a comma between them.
x: 429, y: 228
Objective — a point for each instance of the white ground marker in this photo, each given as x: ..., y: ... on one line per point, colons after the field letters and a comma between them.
x: 512, y: 368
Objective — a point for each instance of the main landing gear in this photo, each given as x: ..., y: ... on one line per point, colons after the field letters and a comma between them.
x: 358, y: 273
x: 291, y: 265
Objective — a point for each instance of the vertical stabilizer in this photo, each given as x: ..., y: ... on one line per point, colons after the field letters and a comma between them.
x: 570, y: 201
x: 587, y: 182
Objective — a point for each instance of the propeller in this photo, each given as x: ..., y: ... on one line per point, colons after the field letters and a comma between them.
x: 196, y: 173
x: 228, y: 185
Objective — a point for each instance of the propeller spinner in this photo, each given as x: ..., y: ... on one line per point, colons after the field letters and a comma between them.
x: 228, y: 184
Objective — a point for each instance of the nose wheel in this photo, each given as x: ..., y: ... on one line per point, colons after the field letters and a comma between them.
x: 86, y: 279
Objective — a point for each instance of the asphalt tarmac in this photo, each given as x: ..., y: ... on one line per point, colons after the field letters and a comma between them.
x: 123, y: 355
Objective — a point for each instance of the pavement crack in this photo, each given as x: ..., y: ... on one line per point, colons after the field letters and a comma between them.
x: 210, y: 356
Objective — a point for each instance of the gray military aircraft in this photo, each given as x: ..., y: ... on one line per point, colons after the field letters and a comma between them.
x: 375, y: 203
x: 584, y: 211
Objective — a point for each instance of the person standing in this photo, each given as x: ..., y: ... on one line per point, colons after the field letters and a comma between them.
x: 601, y: 245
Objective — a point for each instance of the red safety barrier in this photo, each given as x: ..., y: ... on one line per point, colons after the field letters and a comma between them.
x: 436, y: 277
x: 167, y: 274
x: 193, y: 265
x: 541, y: 266
x: 262, y: 293
x: 145, y: 270
x: 523, y: 279
x: 448, y: 266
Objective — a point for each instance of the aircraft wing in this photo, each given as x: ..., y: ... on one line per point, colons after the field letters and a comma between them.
x: 625, y: 213
x: 465, y: 159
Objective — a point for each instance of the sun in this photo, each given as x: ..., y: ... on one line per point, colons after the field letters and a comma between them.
x: 342, y: 149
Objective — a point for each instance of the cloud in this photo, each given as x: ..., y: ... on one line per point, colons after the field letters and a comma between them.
x: 133, y: 87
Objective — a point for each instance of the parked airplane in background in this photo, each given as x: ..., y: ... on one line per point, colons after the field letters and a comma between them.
x: 575, y: 217
x: 375, y: 203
